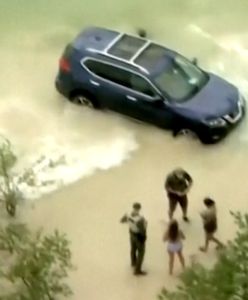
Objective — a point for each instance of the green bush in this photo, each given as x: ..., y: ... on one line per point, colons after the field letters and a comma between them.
x: 7, y: 187
x: 227, y: 280
x: 37, y: 264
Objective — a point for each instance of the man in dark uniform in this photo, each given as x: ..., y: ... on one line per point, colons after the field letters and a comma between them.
x: 177, y: 186
x: 137, y: 230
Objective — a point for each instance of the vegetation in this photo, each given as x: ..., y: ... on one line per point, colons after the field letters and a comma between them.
x: 227, y: 280
x: 34, y: 265
x: 7, y: 187
x: 10, y: 182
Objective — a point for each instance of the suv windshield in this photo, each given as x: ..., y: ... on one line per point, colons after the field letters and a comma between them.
x: 181, y: 79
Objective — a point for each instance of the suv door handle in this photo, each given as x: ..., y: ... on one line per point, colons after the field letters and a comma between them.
x: 94, y: 83
x: 131, y: 98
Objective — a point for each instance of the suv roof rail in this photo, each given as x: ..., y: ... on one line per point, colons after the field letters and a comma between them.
x: 130, y: 61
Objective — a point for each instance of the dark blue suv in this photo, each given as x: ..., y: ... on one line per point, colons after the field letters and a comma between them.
x: 134, y: 76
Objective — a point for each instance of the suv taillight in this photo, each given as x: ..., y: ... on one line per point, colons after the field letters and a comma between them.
x: 64, y: 65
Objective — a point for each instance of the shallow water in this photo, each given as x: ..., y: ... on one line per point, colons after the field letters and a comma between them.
x: 39, y: 122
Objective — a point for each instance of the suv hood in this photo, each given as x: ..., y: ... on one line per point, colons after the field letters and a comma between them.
x: 216, y: 99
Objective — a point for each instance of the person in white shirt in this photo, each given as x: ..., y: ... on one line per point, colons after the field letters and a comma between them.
x: 137, y: 229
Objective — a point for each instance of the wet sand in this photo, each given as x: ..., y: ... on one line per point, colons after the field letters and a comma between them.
x: 89, y: 211
x: 112, y: 161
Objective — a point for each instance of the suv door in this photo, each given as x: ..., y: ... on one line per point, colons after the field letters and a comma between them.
x: 147, y: 103
x: 128, y: 93
x: 107, y: 83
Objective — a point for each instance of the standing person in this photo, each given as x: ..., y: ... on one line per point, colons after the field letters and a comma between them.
x: 174, y: 237
x: 209, y: 217
x: 177, y: 186
x: 137, y: 230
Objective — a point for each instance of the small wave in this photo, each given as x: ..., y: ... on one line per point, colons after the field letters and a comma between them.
x: 55, y: 165
x: 63, y: 146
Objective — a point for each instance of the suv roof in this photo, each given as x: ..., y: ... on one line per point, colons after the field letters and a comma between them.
x: 136, y: 51
x: 94, y: 37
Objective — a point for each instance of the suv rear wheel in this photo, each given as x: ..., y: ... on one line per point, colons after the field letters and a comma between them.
x: 82, y: 98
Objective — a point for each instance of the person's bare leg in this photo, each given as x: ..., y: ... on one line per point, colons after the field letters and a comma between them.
x: 185, y: 214
x: 218, y: 242
x: 205, y: 248
x: 172, y: 208
x: 184, y: 207
x: 171, y: 262
x: 181, y: 259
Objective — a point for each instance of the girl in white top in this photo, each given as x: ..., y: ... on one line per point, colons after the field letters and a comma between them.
x: 174, y: 237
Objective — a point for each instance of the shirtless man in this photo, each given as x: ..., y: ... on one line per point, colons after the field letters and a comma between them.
x: 209, y: 218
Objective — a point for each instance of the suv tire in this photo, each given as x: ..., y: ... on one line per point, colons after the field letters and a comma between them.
x: 85, y: 99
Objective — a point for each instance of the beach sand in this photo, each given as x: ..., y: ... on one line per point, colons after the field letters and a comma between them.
x: 111, y: 161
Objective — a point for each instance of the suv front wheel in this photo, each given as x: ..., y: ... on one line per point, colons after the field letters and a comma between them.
x: 187, y: 132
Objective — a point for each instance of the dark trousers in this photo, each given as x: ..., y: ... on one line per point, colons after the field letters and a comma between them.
x: 137, y: 251
x: 174, y: 199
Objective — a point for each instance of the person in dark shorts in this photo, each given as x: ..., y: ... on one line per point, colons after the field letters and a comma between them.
x: 177, y: 186
x: 209, y: 217
x: 137, y: 230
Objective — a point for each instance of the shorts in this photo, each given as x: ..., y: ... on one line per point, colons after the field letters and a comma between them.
x: 210, y: 228
x: 174, y: 247
x: 174, y: 199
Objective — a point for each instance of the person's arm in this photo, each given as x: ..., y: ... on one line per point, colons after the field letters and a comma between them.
x: 166, y: 185
x: 165, y: 236
x: 182, y: 235
x: 181, y: 193
x: 189, y: 182
x: 142, y: 225
x: 204, y: 214
x: 188, y: 178
x: 169, y: 189
x: 124, y: 219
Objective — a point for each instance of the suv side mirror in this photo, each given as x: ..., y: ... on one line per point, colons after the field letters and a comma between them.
x: 157, y: 100
x: 195, y: 61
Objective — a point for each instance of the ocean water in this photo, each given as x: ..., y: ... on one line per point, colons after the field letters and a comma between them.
x: 40, y: 123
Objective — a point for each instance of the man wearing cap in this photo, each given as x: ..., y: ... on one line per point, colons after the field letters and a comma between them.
x: 137, y: 229
x: 177, y: 186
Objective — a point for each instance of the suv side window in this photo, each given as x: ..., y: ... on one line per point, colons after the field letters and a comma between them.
x: 109, y: 72
x: 139, y: 84
x: 120, y: 76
